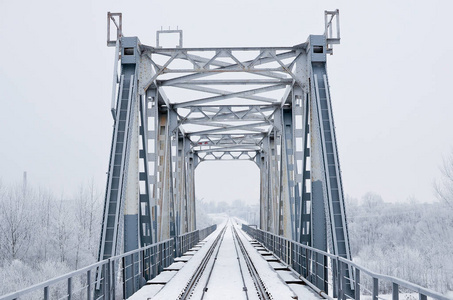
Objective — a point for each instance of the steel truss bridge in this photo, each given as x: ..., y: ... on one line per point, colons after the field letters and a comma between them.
x: 174, y: 108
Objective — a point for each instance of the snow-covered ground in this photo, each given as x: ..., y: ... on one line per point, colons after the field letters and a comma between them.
x: 225, y: 281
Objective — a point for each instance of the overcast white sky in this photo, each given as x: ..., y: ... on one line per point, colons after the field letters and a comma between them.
x: 390, y: 84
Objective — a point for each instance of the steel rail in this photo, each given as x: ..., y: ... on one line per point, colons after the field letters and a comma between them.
x: 187, y: 291
x: 239, y: 262
x: 259, y: 284
x: 205, y: 288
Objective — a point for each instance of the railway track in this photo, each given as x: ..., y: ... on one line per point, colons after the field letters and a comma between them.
x: 194, y: 280
x: 257, y: 281
x: 199, y: 284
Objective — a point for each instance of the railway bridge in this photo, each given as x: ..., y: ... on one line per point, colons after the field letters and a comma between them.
x: 174, y: 108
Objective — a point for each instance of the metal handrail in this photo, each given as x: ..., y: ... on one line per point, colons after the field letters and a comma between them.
x: 15, y: 295
x: 168, y: 247
x: 401, y: 282
x: 207, y: 231
x: 339, y: 279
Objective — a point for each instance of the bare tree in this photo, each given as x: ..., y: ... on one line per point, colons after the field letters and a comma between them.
x: 87, y: 215
x: 61, y: 231
x: 16, y: 213
x: 63, y: 228
x: 444, y: 188
x: 371, y: 201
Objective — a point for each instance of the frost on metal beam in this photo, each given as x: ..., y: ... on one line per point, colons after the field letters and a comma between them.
x: 332, y: 29
x: 117, y: 20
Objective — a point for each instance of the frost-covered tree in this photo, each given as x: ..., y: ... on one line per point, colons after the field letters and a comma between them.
x: 87, y: 217
x: 409, y: 240
x: 17, y: 221
x: 202, y: 218
x: 444, y: 187
x: 371, y: 201
x: 63, y: 228
x: 43, y: 236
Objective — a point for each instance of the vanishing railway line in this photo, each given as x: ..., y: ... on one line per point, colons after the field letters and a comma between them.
x: 202, y: 283
x: 259, y: 285
x: 194, y: 281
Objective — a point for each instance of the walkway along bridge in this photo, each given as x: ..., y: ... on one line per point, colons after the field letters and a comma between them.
x: 174, y: 108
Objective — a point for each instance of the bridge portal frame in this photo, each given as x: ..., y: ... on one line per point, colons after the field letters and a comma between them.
x: 276, y: 111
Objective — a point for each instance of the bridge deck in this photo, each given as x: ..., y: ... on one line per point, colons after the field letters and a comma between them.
x: 230, y: 265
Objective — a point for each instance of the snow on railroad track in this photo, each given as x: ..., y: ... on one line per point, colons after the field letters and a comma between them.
x: 224, y: 272
x: 223, y: 278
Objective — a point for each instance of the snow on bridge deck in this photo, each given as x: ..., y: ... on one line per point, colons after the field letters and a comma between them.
x: 226, y: 275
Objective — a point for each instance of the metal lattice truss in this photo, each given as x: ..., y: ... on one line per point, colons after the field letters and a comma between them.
x: 224, y: 98
x: 176, y: 107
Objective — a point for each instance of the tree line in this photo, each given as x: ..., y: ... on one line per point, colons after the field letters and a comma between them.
x: 411, y: 240
x: 43, y: 235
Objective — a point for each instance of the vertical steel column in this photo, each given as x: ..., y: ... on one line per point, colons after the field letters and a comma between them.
x: 326, y: 175
x: 131, y: 192
x: 263, y: 163
x: 180, y: 188
x: 306, y: 201
x: 131, y: 204
x: 131, y: 230
x: 149, y: 159
x: 288, y: 170
x: 268, y: 183
x: 274, y: 179
x: 319, y: 189
x: 116, y: 181
x: 298, y: 150
x: 301, y: 118
x: 173, y: 156
x: 280, y: 170
x: 259, y: 160
x: 146, y: 224
x: 190, y: 187
x: 121, y: 209
x: 165, y: 217
x: 152, y: 116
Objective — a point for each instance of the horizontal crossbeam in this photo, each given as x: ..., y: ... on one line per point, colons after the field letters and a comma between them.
x: 228, y: 155
x: 225, y: 66
x: 222, y: 92
x: 150, y: 49
x: 227, y: 82
x: 230, y: 148
x: 252, y: 128
x: 232, y: 95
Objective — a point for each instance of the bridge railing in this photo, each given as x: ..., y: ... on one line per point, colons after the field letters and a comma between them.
x: 135, y: 267
x: 131, y: 269
x: 207, y: 231
x: 188, y: 240
x: 305, y: 261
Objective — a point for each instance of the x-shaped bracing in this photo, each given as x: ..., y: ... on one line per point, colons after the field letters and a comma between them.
x: 224, y: 116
